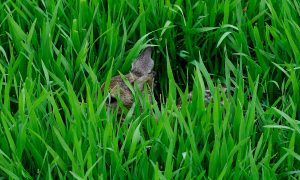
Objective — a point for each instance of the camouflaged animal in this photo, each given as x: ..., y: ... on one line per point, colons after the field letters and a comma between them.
x: 141, y: 73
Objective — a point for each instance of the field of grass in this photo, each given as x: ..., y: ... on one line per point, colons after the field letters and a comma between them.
x: 54, y: 56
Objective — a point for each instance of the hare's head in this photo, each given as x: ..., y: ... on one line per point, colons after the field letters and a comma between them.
x: 143, y: 65
x: 141, y: 73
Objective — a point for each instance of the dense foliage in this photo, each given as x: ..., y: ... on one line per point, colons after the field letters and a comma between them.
x: 54, y: 56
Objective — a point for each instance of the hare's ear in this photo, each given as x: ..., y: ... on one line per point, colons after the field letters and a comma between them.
x: 143, y: 65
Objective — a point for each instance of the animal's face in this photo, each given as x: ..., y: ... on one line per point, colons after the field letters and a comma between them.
x: 141, y: 73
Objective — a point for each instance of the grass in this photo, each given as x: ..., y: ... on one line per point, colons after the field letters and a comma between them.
x: 54, y: 56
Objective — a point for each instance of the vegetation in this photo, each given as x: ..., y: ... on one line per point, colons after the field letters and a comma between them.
x: 54, y: 56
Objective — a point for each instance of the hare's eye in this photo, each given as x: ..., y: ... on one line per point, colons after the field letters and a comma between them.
x: 111, y: 100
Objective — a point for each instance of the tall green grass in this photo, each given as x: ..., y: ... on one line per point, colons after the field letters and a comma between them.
x: 54, y: 55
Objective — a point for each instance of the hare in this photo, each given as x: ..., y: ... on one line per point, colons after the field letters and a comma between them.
x: 141, y: 73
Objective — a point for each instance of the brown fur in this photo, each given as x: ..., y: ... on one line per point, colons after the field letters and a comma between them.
x: 140, y: 74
